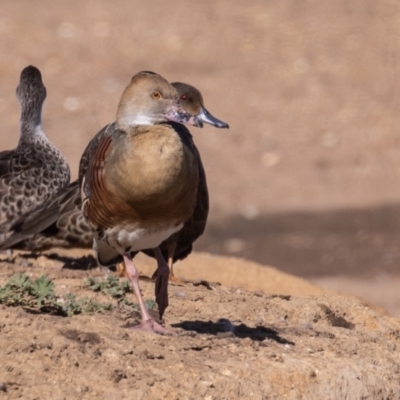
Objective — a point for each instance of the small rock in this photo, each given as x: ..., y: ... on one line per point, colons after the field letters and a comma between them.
x: 224, y: 325
x: 127, y: 352
x: 208, y: 285
x: 226, y: 372
x: 3, y: 387
x: 207, y: 383
x: 152, y: 356
x: 313, y: 373
x: 247, y: 342
x: 97, y: 353
x: 117, y: 375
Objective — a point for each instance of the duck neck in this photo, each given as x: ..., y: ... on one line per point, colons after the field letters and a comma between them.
x: 31, y: 123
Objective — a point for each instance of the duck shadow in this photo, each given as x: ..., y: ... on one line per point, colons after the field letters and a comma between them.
x: 81, y: 263
x: 224, y: 328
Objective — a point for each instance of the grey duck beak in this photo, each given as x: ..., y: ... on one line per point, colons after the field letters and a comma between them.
x: 207, y: 118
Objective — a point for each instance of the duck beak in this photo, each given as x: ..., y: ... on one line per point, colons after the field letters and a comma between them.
x: 177, y: 114
x: 206, y: 117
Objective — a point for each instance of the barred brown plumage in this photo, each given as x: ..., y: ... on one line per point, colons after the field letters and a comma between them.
x: 35, y: 170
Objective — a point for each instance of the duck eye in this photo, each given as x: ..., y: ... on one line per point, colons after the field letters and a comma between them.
x: 156, y: 95
x: 184, y: 97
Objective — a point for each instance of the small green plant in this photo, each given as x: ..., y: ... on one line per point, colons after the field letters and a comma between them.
x: 150, y: 304
x: 20, y: 290
x: 116, y: 288
x: 111, y: 286
x: 43, y: 289
x: 39, y: 295
x: 72, y: 305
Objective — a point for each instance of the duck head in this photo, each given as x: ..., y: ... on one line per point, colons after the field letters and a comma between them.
x: 31, y: 92
x: 192, y: 102
x: 150, y: 99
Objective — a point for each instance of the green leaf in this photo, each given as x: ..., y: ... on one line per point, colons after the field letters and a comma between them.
x: 39, y: 294
x: 19, y: 281
x: 150, y: 304
x: 42, y: 289
x: 110, y: 286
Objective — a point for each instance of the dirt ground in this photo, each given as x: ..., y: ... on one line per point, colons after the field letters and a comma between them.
x: 228, y: 342
x: 306, y: 180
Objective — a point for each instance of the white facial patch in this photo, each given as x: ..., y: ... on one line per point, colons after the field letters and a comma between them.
x: 141, y: 119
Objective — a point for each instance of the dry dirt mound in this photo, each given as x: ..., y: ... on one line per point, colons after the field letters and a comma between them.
x: 230, y: 343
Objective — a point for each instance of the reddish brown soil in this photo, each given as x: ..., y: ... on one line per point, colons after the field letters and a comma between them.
x: 228, y: 343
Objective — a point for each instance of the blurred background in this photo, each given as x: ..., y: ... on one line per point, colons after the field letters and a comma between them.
x: 307, y: 179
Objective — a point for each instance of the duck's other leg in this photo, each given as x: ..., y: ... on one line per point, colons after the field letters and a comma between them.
x: 121, y: 270
x: 148, y: 323
x: 161, y: 286
x: 171, y: 247
x: 171, y: 252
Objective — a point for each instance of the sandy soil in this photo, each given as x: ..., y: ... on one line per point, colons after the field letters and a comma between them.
x: 228, y: 343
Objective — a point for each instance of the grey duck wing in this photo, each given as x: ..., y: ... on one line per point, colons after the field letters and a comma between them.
x: 69, y: 231
x: 44, y: 218
x: 22, y: 185
x: 58, y: 221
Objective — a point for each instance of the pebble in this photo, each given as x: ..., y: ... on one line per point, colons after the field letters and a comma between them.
x: 225, y: 325
x: 3, y: 387
x: 247, y: 342
x: 226, y: 372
